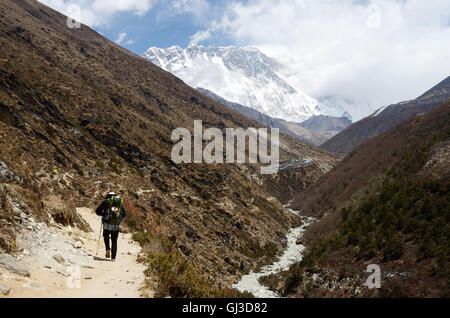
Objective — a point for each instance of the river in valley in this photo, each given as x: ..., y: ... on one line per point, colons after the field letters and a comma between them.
x: 292, y: 254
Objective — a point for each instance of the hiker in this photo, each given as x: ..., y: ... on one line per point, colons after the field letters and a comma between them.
x: 112, y: 212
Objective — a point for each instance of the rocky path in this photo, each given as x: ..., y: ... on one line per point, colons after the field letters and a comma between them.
x: 61, y: 263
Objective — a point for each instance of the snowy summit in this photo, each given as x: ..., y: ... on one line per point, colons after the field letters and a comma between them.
x: 241, y: 75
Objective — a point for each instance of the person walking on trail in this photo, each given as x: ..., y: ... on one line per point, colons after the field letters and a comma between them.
x: 112, y: 212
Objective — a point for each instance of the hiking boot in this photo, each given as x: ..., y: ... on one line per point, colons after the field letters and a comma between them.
x: 108, y: 254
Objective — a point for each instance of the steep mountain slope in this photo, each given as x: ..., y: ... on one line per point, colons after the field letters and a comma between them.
x: 241, y: 75
x: 81, y: 116
x: 292, y: 129
x: 387, y: 203
x: 387, y: 117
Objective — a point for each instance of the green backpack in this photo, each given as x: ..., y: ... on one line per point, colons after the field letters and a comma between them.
x: 115, y: 209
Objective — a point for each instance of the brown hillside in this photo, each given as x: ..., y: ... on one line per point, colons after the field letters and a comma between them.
x: 359, y: 170
x: 81, y: 116
x: 386, y: 203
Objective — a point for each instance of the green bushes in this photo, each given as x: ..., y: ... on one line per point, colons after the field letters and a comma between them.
x: 178, y: 278
x: 404, y: 210
x: 394, y: 248
x: 407, y: 209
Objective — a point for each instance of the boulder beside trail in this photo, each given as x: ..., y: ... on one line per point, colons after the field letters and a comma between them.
x: 13, y: 265
x: 4, y: 289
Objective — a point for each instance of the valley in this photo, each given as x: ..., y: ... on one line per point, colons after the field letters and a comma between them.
x: 82, y: 116
x: 74, y: 134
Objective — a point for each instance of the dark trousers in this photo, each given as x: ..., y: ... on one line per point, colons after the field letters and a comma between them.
x: 114, y: 236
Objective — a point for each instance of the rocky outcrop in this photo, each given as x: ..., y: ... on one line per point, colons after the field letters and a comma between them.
x: 13, y: 265
x: 7, y: 175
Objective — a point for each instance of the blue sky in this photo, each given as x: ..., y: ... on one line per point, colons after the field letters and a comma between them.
x: 381, y: 51
x: 161, y: 23
x: 151, y: 30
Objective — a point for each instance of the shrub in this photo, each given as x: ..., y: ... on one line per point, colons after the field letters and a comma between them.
x: 179, y: 278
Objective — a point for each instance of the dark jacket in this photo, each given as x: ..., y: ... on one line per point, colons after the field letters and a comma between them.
x: 104, y: 206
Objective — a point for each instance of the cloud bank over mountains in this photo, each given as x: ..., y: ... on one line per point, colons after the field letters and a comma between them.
x: 380, y: 51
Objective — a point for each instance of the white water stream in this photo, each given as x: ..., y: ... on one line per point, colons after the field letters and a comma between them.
x: 292, y: 254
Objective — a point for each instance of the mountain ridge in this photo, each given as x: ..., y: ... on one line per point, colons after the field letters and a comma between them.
x: 387, y: 117
x: 292, y: 129
x: 326, y: 123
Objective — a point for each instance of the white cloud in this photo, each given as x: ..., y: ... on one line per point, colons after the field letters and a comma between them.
x: 138, y: 7
x: 214, y: 28
x: 121, y: 37
x: 199, y: 37
x: 382, y: 51
x: 100, y: 12
x: 201, y: 11
x: 199, y: 8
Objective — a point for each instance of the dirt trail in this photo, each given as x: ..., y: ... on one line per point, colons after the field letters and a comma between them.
x: 99, y: 277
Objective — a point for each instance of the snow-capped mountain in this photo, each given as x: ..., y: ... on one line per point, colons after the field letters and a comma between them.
x: 241, y: 75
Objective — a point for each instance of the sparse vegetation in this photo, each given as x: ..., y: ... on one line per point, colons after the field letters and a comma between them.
x: 176, y: 276
x: 407, y: 210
